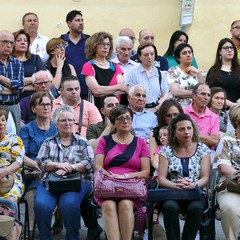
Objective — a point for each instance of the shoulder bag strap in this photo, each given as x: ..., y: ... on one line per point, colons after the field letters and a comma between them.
x: 160, y: 80
x: 80, y: 116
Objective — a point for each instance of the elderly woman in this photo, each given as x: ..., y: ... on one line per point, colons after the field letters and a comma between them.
x: 148, y: 76
x: 227, y: 161
x: 177, y: 38
x: 33, y: 134
x: 191, y: 159
x: 184, y: 77
x: 216, y: 104
x: 121, y: 155
x: 225, y: 72
x: 31, y: 62
x: 101, y: 75
x: 11, y: 159
x: 56, y: 63
x: 168, y: 110
x: 63, y: 153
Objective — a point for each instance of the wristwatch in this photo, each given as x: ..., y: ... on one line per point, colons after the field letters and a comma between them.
x: 74, y: 169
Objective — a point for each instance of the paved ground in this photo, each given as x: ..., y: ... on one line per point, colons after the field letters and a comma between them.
x: 83, y: 232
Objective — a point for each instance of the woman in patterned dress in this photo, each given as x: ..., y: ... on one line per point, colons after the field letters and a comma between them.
x: 189, y: 160
x: 11, y: 159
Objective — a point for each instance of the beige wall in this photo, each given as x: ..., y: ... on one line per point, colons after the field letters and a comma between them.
x: 212, y: 19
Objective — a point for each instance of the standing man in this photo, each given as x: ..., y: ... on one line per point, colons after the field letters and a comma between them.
x: 206, y: 121
x: 235, y: 31
x: 70, y: 95
x: 143, y: 121
x: 75, y: 46
x: 147, y: 36
x: 38, y: 42
x: 11, y: 77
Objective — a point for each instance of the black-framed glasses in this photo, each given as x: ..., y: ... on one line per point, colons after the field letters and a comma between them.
x: 231, y: 48
x: 123, y: 119
x: 6, y: 42
x: 43, y: 105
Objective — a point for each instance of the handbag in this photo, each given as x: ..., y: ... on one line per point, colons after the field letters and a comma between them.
x: 164, y: 194
x: 6, y: 184
x: 31, y: 174
x: 64, y: 183
x: 115, y: 188
x: 230, y: 183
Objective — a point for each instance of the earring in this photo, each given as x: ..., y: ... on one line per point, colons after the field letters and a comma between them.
x: 220, y: 57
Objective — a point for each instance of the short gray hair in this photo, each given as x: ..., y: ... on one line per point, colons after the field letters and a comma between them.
x: 131, y: 90
x: 123, y: 39
x: 41, y: 72
x: 59, y: 110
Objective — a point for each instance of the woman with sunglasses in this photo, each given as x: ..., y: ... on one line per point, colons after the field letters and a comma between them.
x: 32, y: 63
x: 190, y: 159
x: 56, y: 63
x: 121, y: 155
x: 225, y: 72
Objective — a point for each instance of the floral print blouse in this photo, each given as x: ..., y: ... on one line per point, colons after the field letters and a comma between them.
x: 12, y: 150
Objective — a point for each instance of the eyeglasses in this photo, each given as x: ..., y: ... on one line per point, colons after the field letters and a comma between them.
x: 43, y: 105
x: 66, y: 120
x: 204, y: 94
x: 108, y: 44
x: 231, y: 48
x: 123, y: 119
x: 42, y: 83
x: 60, y: 47
x: 237, y: 27
x: 6, y: 42
x: 171, y: 116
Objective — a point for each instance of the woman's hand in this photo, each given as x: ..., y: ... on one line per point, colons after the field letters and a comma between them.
x: 61, y: 172
x: 60, y: 59
x: 192, y: 70
x: 114, y: 175
x: 66, y: 167
x: 183, y: 182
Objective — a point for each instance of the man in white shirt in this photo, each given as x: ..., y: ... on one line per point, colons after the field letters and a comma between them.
x: 38, y: 42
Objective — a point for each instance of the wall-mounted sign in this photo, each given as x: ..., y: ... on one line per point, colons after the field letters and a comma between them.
x: 187, y: 12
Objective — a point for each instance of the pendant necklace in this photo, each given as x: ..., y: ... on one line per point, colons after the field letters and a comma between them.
x: 123, y: 142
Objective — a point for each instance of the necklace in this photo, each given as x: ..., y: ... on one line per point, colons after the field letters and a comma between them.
x: 104, y: 64
x: 125, y: 141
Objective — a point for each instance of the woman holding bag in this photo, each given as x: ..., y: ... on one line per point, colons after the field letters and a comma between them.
x: 63, y: 153
x: 189, y: 160
x: 121, y: 155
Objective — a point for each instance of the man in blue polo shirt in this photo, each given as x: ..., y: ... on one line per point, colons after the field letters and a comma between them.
x: 75, y: 46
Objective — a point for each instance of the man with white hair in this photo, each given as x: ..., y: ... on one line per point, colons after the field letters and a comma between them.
x: 124, y: 47
x: 11, y: 77
x: 42, y: 81
x: 143, y: 121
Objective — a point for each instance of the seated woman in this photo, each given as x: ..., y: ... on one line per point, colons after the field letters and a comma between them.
x: 11, y: 159
x: 63, y: 153
x: 168, y: 110
x: 227, y: 161
x: 216, y: 104
x: 184, y: 77
x: 121, y: 155
x: 177, y: 38
x: 33, y: 134
x: 191, y: 159
x: 32, y: 63
x: 56, y: 63
x: 101, y: 75
x: 225, y: 72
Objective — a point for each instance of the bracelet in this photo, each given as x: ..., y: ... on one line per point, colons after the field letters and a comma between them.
x: 74, y: 169
x: 125, y: 175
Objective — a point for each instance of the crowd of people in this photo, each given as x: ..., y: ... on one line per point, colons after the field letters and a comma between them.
x: 81, y: 104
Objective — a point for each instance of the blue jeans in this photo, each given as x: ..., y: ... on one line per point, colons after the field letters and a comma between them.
x: 69, y: 203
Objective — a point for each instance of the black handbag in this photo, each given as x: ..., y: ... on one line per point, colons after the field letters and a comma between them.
x: 64, y: 183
